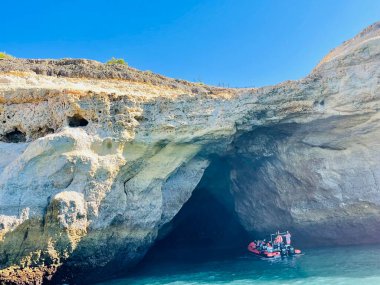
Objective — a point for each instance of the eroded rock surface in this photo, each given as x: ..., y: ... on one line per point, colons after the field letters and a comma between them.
x: 95, y: 159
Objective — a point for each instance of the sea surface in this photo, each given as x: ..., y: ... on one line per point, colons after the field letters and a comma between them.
x: 336, y: 265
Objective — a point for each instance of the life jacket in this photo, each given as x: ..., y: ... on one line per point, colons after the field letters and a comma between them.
x: 278, y: 239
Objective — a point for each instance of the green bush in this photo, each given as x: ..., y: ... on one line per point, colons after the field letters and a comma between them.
x: 116, y: 61
x: 3, y: 55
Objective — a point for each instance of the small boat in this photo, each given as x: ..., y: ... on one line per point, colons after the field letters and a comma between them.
x: 280, y: 249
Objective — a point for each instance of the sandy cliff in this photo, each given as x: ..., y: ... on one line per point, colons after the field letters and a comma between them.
x: 95, y: 159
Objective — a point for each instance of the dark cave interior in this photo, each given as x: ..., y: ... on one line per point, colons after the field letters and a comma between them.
x: 207, y: 226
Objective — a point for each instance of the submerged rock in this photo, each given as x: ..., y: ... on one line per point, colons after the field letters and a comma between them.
x: 96, y: 159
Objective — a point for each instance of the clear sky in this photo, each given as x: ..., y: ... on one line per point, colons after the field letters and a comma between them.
x: 231, y: 42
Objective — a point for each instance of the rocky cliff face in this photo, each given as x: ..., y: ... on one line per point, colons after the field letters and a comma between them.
x: 96, y: 159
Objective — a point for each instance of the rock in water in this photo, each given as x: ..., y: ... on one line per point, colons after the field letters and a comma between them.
x: 95, y: 159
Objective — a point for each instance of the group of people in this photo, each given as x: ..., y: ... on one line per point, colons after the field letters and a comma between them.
x: 279, y: 242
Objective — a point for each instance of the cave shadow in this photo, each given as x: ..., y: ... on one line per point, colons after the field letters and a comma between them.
x: 206, y: 228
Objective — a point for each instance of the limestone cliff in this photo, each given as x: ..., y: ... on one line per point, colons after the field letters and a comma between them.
x: 95, y: 159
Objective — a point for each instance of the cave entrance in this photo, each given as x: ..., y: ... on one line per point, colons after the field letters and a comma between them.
x: 77, y: 121
x: 15, y: 136
x: 207, y: 226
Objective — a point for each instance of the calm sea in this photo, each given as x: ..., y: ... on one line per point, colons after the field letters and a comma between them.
x: 338, y: 265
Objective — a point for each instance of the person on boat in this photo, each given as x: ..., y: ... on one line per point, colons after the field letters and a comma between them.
x: 278, y: 239
x: 269, y: 247
x: 288, y: 237
x: 263, y: 244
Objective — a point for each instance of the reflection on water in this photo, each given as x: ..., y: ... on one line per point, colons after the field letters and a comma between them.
x: 339, y: 265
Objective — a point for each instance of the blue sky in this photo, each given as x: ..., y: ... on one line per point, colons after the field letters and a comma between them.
x: 234, y: 43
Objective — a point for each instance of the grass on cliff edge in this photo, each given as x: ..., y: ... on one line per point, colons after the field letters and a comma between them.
x: 3, y: 55
x: 116, y: 61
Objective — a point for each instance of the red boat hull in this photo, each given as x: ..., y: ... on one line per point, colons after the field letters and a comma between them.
x: 264, y: 253
x: 267, y: 254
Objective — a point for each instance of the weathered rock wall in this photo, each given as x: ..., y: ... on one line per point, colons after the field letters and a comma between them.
x: 320, y: 180
x: 91, y: 168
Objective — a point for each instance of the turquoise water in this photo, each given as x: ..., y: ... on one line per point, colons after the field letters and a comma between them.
x: 339, y: 265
